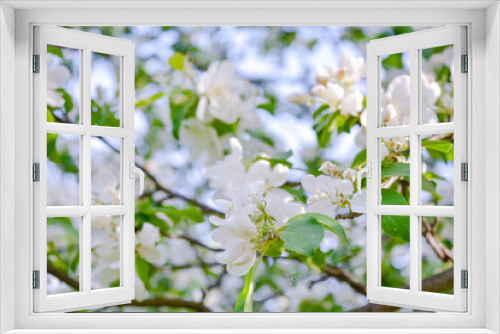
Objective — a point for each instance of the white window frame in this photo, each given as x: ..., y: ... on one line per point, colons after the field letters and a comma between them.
x: 85, y: 43
x: 413, y: 43
x: 484, y: 103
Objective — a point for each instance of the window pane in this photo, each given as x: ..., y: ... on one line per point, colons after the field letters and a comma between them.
x: 438, y: 169
x: 437, y: 252
x: 437, y: 85
x: 106, y: 249
x: 63, y: 255
x: 63, y: 84
x: 105, y: 157
x: 395, y: 266
x: 105, y: 89
x: 395, y: 89
x: 63, y: 171
x: 395, y: 170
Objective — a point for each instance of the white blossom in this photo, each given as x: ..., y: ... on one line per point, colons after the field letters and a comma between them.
x: 57, y: 76
x: 352, y: 103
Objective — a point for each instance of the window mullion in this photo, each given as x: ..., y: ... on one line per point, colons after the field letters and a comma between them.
x: 414, y: 170
x: 85, y: 246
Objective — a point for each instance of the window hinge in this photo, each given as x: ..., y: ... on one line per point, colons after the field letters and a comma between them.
x: 465, y: 279
x: 465, y: 64
x: 36, y: 279
x: 464, y: 171
x: 36, y: 172
x: 36, y: 63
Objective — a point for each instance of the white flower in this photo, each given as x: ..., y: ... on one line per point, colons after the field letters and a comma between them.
x: 201, y: 139
x: 358, y: 202
x: 223, y: 89
x: 281, y: 206
x: 297, y: 98
x: 324, y: 73
x: 430, y: 94
x: 235, y: 235
x: 326, y: 193
x: 319, y: 91
x: 334, y: 94
x: 398, y: 94
x: 351, y: 69
x: 57, y: 76
x: 261, y: 170
x: 349, y: 174
x: 330, y: 169
x: 146, y: 244
x: 352, y: 103
x: 229, y: 173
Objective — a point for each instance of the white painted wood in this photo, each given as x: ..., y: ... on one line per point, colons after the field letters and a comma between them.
x: 492, y: 186
x: 471, y: 322
x: 87, y: 297
x: 7, y: 166
x: 414, y: 42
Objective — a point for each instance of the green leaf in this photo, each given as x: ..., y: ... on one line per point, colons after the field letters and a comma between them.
x: 223, y: 128
x: 428, y: 185
x: 396, y: 169
x: 328, y: 222
x: 178, y: 112
x: 278, y: 158
x: 359, y: 159
x: 195, y: 214
x: 437, y: 145
x: 147, y: 101
x: 143, y: 269
x: 395, y: 226
x: 302, y: 234
x: 240, y: 302
x: 324, y: 128
x: 271, y: 105
x: 261, y: 135
x: 245, y: 299
x: 394, y: 60
x: 177, y: 61
x: 320, y: 110
x: 68, y: 101
x: 297, y: 193
x: 392, y: 197
x: 55, y: 51
x: 274, y: 248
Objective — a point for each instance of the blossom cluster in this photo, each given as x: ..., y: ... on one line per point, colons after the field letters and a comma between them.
x: 336, y: 86
x: 332, y: 190
x: 253, y: 204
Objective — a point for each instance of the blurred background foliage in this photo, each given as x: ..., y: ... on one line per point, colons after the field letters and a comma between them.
x: 175, y: 265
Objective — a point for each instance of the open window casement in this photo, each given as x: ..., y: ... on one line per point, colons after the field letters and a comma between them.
x: 76, y: 155
x: 401, y: 113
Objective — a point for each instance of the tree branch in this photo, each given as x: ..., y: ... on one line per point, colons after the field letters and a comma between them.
x: 343, y: 275
x: 156, y: 302
x: 172, y: 302
x: 436, y: 283
x: 429, y: 232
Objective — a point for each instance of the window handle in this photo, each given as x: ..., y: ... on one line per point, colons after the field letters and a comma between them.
x: 359, y: 174
x: 136, y: 170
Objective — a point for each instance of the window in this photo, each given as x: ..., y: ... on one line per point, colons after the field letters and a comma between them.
x: 87, y: 128
x: 405, y: 139
x: 72, y: 147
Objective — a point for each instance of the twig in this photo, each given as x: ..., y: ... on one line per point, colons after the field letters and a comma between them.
x: 172, y: 302
x: 429, y: 232
x: 436, y: 283
x: 156, y: 302
x: 344, y: 275
x: 192, y: 241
